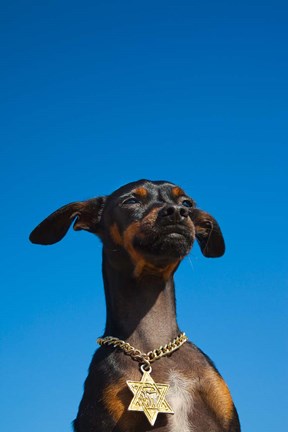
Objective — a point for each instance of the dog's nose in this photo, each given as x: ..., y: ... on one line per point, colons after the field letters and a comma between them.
x: 174, y: 213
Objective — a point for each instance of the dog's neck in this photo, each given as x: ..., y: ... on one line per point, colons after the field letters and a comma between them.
x: 140, y: 311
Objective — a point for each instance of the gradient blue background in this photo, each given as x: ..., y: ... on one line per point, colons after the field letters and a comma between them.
x: 99, y: 93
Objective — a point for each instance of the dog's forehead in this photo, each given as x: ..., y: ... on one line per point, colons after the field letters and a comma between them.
x: 148, y: 187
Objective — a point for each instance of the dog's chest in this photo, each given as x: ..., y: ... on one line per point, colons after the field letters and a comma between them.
x: 180, y: 399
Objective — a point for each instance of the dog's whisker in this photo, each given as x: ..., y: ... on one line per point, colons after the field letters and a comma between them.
x: 191, y: 263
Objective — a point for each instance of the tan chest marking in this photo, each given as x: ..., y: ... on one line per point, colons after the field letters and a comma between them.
x: 180, y: 397
x: 217, y: 396
x: 113, y: 401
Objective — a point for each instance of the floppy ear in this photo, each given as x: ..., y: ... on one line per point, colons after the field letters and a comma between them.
x: 87, y: 215
x: 208, y: 234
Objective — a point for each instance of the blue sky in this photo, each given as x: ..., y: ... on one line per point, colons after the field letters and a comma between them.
x: 96, y: 94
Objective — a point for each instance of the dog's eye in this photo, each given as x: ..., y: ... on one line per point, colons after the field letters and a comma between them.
x: 187, y: 203
x: 131, y: 201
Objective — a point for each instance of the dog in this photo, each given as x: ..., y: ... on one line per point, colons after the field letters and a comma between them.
x: 147, y: 228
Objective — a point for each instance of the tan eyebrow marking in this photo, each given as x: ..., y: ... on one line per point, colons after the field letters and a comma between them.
x: 141, y: 192
x: 177, y: 191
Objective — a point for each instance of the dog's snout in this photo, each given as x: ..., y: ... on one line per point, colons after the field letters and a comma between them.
x: 174, y: 213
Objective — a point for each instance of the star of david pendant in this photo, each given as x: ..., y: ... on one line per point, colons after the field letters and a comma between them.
x: 149, y: 396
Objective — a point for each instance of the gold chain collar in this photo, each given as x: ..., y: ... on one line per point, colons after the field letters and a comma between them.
x: 144, y: 358
x: 148, y: 395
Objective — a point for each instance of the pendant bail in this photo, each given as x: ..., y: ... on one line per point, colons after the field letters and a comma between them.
x: 146, y: 367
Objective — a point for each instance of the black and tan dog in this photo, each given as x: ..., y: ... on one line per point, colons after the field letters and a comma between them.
x: 146, y: 228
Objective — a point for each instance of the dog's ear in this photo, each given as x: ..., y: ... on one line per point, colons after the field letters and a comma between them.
x: 208, y: 234
x: 87, y: 216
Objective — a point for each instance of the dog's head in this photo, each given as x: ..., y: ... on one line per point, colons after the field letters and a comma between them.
x: 153, y: 223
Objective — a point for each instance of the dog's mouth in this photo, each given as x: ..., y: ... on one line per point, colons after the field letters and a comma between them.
x: 167, y: 242
x: 175, y: 230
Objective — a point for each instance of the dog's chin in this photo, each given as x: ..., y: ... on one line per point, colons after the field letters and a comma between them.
x: 166, y: 249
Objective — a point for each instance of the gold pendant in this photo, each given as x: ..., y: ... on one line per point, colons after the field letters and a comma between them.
x: 149, y: 396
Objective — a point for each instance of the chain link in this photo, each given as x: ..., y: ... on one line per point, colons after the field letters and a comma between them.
x: 137, y: 355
